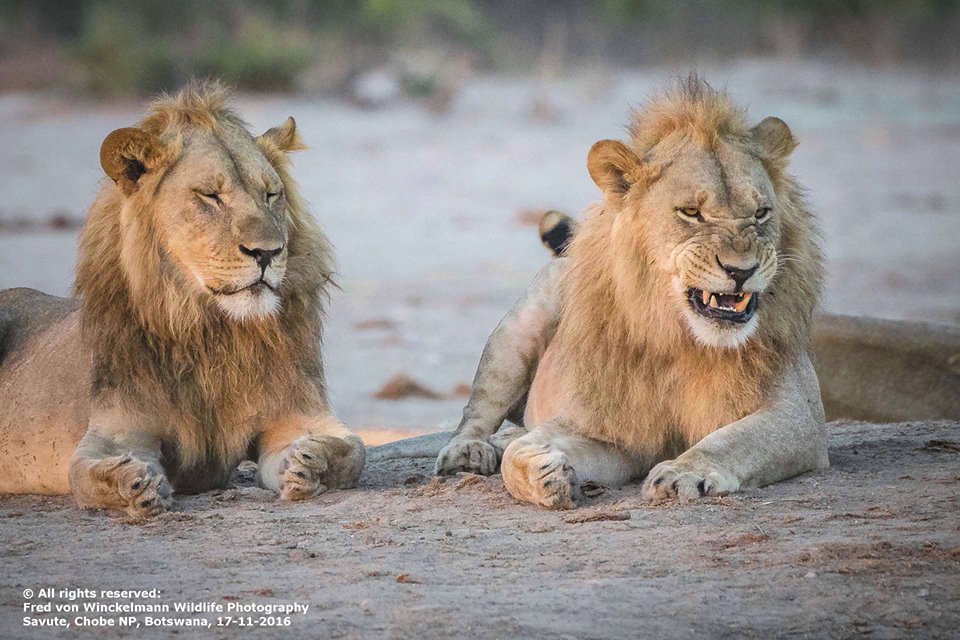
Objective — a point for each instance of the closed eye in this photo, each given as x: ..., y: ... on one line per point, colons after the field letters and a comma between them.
x: 690, y: 214
x: 272, y: 196
x: 763, y: 213
x: 210, y: 196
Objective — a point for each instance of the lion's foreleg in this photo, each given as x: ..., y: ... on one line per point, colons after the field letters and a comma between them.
x: 548, y: 465
x: 503, y: 378
x: 785, y: 438
x: 302, y: 456
x: 120, y: 470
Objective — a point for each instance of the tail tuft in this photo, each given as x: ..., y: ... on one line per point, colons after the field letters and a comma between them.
x: 556, y: 231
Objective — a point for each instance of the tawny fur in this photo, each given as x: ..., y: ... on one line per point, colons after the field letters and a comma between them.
x: 160, y: 342
x: 620, y: 360
x: 644, y: 384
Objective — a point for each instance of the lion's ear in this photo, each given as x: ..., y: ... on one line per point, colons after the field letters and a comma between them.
x: 127, y: 154
x: 613, y: 167
x: 284, y: 137
x: 774, y: 138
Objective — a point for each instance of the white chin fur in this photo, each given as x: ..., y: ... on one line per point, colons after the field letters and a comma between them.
x: 249, y: 305
x: 710, y: 334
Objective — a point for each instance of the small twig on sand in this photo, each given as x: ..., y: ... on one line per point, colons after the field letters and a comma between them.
x: 598, y: 516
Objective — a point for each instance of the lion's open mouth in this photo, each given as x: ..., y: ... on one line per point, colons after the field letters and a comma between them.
x: 732, y: 307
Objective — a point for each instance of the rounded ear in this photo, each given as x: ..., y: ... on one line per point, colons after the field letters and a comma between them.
x: 284, y: 137
x: 126, y: 154
x: 613, y: 167
x: 774, y: 138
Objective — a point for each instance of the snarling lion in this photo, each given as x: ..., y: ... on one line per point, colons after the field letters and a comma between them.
x: 672, y: 339
x: 195, y: 341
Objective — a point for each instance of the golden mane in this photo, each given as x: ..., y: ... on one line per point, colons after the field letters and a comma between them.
x: 691, y: 106
x: 200, y: 104
x: 643, y: 381
x: 155, y: 339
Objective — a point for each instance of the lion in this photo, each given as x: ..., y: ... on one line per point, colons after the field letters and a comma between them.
x: 672, y: 337
x: 194, y: 342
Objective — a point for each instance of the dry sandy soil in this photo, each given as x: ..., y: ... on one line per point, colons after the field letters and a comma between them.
x: 870, y: 547
x: 430, y: 219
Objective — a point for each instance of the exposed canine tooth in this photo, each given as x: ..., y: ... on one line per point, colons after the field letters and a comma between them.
x: 706, y: 296
x: 713, y: 301
x: 741, y: 304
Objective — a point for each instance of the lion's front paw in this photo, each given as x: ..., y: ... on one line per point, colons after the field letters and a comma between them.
x: 687, y: 481
x: 475, y: 456
x: 540, y: 474
x: 142, y: 485
x: 315, y: 463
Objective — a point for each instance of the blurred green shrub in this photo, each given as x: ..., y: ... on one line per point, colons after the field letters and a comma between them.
x: 261, y: 55
x: 142, y: 46
x: 119, y: 57
x: 410, y: 20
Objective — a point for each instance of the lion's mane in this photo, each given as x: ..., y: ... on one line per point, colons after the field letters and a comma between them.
x: 164, y: 344
x: 643, y: 381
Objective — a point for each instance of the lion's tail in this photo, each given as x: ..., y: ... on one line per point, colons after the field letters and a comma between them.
x: 425, y: 446
x: 556, y: 231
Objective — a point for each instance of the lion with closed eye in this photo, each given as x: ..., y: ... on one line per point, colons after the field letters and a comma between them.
x: 195, y: 339
x: 672, y: 339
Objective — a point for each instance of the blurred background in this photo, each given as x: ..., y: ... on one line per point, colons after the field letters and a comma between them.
x: 439, y: 131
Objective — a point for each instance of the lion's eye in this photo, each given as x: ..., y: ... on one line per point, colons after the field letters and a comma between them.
x: 763, y: 213
x: 272, y: 196
x: 212, y: 196
x: 689, y: 213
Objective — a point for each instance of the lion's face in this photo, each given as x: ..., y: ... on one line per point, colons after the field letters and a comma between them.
x: 220, y: 212
x: 223, y: 219
x: 711, y: 222
x: 705, y: 217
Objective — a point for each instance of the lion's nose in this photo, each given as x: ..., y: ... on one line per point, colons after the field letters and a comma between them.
x: 263, y: 256
x: 739, y: 275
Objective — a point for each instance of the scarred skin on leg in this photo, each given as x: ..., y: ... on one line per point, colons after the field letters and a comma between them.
x: 539, y: 466
x: 503, y: 378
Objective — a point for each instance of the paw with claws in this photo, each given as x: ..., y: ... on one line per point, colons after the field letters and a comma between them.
x: 688, y: 480
x: 316, y: 463
x: 541, y: 474
x: 475, y: 456
x: 137, y: 486
x: 480, y: 456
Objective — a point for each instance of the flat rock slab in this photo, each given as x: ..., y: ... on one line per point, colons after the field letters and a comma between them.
x: 869, y: 547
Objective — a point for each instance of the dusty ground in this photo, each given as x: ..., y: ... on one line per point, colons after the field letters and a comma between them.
x: 869, y: 548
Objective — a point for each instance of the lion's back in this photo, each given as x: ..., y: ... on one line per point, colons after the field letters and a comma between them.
x: 25, y: 312
x: 44, y: 390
